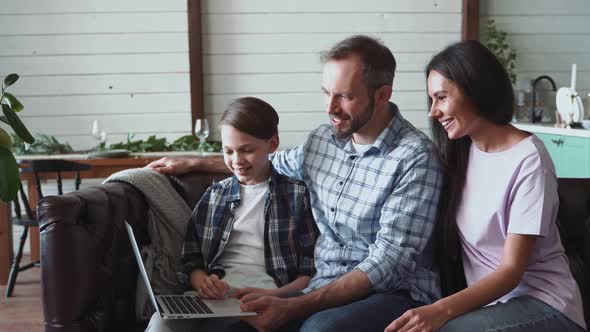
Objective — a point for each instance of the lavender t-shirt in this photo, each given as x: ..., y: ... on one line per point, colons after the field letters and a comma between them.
x: 515, y: 191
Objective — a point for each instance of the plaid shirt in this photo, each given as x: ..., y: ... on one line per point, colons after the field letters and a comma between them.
x: 290, y: 230
x: 376, y: 210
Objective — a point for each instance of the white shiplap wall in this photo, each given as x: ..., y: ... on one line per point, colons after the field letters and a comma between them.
x: 124, y: 63
x: 270, y: 49
x: 548, y: 37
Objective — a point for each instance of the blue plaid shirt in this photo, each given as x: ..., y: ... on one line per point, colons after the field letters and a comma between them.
x: 376, y: 210
x: 290, y: 230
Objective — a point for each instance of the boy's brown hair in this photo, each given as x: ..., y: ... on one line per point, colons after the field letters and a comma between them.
x: 252, y: 116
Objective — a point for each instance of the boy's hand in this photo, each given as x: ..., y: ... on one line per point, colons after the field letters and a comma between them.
x: 213, y: 288
x: 250, y: 293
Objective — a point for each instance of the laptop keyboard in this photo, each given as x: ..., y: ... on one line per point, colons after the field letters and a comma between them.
x: 186, y: 305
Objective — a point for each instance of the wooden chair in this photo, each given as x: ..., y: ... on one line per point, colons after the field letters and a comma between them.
x: 37, y: 168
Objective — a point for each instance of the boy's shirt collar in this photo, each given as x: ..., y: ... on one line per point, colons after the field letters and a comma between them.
x: 234, y: 192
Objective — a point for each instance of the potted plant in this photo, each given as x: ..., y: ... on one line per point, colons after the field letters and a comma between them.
x: 497, y: 42
x: 9, y: 174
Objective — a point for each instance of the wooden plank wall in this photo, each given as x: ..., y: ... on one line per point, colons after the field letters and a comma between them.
x: 271, y: 50
x: 125, y: 63
x: 548, y: 37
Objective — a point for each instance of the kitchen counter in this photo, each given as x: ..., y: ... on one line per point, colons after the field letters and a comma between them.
x: 569, y: 148
x: 550, y: 129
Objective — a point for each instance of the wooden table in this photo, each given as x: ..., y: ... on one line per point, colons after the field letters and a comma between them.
x: 101, y: 168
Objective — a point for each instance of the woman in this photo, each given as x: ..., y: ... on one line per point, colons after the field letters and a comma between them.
x: 501, y: 202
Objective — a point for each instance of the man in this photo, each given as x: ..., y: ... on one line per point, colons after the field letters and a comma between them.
x: 375, y: 182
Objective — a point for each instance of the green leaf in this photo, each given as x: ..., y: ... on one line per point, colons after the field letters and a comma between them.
x: 13, y: 102
x: 5, y: 140
x: 497, y: 42
x: 10, y: 80
x: 44, y: 144
x: 17, y: 125
x: 9, y: 177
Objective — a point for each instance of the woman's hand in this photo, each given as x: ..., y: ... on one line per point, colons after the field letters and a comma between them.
x: 213, y: 288
x: 250, y: 293
x: 428, y: 318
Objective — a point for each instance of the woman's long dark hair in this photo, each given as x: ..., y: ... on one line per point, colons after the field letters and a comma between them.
x: 484, y: 81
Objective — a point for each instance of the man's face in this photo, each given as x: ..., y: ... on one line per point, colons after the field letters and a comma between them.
x: 347, y: 100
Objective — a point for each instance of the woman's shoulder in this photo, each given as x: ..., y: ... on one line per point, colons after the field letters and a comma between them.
x: 522, y: 146
x: 533, y: 151
x: 531, y: 157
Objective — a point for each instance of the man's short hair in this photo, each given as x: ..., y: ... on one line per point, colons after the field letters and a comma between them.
x: 378, y: 61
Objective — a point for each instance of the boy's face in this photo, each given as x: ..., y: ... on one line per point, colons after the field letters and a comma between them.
x: 247, y: 156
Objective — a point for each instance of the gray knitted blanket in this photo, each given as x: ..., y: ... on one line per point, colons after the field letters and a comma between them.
x: 168, y: 216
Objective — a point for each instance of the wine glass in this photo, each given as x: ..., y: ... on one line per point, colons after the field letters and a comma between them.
x: 202, y: 132
x: 98, y: 134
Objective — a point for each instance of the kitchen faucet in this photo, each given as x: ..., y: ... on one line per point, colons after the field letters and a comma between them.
x: 533, y: 116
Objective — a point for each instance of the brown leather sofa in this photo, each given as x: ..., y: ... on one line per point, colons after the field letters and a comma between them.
x: 89, y: 273
x: 574, y: 228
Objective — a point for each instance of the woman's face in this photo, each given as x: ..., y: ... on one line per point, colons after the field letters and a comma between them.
x: 247, y: 156
x: 451, y: 108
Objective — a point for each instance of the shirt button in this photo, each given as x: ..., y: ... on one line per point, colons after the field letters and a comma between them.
x: 343, y: 263
x: 332, y: 209
x: 352, y: 157
x: 341, y: 245
x: 341, y: 182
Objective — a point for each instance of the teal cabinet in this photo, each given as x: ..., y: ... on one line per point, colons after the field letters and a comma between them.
x: 570, y: 154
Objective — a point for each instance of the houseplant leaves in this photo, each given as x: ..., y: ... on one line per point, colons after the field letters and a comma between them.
x: 17, y: 125
x: 9, y: 174
x: 13, y: 102
x: 9, y: 177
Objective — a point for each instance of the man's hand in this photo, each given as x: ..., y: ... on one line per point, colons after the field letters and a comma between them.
x: 428, y: 318
x: 172, y: 166
x: 250, y: 293
x: 273, y: 313
x: 213, y: 288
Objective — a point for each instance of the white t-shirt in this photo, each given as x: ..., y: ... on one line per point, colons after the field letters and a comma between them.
x: 515, y: 191
x: 243, y: 255
x: 359, y: 148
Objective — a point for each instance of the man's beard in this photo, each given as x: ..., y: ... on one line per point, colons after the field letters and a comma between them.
x: 356, y: 123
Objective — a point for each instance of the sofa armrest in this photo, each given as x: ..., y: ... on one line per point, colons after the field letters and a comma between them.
x: 88, y: 273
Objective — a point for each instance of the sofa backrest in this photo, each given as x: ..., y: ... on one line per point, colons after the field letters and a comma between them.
x: 574, y: 227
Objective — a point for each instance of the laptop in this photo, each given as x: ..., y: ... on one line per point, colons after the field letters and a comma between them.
x: 185, y: 306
